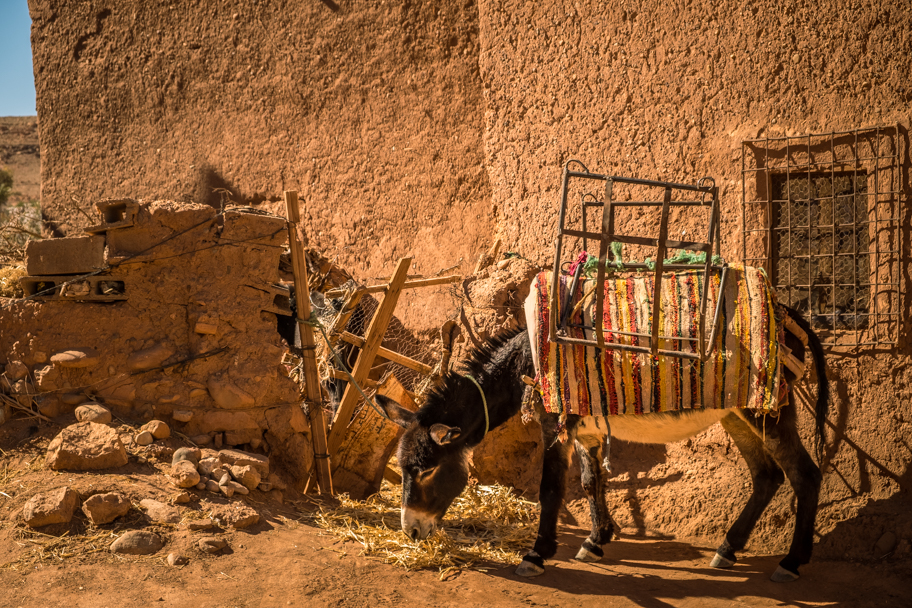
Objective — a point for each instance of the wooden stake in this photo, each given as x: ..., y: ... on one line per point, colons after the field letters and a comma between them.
x: 454, y: 278
x: 486, y: 259
x: 311, y: 376
x: 391, y: 355
x: 372, y: 339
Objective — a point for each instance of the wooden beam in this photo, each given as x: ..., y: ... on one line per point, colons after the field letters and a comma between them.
x: 392, y: 476
x: 341, y: 375
x: 311, y: 376
x: 453, y: 278
x: 390, y: 355
x: 372, y: 339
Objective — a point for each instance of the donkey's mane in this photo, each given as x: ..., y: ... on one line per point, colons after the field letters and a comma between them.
x: 479, y: 364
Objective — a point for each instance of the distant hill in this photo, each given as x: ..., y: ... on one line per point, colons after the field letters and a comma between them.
x: 19, y: 153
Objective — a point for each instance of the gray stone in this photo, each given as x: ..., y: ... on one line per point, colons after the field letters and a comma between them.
x: 105, y: 508
x: 144, y: 438
x: 191, y: 454
x: 182, y: 415
x: 176, y: 559
x: 138, y: 542
x: 54, y: 507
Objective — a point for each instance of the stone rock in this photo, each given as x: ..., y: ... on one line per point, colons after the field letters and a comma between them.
x: 237, y: 457
x: 76, y: 357
x: 217, y: 440
x: 277, y: 482
x: 238, y: 488
x: 49, y: 405
x: 238, y: 516
x: 242, y: 436
x: 184, y: 474
x: 138, y: 542
x: 54, y: 507
x: 201, y: 485
x: 227, y: 395
x: 247, y: 476
x: 196, y: 393
x: 264, y: 486
x: 159, y: 512
x: 885, y: 544
x: 176, y: 559
x: 144, y: 438
x: 199, y: 524
x: 201, y: 439
x: 93, y: 412
x: 105, y: 508
x: 182, y: 498
x: 212, y: 544
x: 6, y: 412
x: 191, y: 454
x: 16, y: 370
x: 158, y: 429
x: 227, y: 490
x: 149, y: 357
x: 213, y: 486
x: 220, y: 420
x: 47, y: 378
x: 86, y: 445
x: 182, y: 415
x: 218, y: 472
x: 73, y: 399
x: 207, y: 465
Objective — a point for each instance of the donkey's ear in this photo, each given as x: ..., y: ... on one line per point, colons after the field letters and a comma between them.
x: 443, y: 434
x: 396, y: 412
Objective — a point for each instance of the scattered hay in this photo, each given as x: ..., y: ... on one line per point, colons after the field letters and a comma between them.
x: 46, y: 549
x: 485, y: 525
x: 9, y: 281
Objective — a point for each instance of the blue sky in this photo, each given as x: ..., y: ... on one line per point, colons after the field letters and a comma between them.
x: 17, y: 83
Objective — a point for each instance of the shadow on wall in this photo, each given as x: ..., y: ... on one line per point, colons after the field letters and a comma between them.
x: 213, y: 189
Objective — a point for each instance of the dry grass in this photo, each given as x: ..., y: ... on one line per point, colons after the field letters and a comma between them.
x: 485, y: 525
x: 9, y: 281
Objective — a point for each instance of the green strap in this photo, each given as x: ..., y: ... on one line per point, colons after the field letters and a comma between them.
x: 484, y: 402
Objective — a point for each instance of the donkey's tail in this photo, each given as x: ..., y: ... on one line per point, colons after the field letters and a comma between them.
x: 823, y: 383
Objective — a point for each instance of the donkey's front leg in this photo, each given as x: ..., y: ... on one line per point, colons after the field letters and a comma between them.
x: 551, y: 495
x: 589, y: 450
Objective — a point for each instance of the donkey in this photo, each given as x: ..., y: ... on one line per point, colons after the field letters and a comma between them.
x: 438, y: 438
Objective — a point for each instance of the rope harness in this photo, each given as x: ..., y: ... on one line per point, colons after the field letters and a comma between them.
x: 484, y: 403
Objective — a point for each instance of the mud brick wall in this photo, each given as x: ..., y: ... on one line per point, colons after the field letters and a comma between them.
x: 197, y: 286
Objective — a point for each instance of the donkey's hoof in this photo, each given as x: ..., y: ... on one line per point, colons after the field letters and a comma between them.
x: 528, y: 569
x: 721, y: 562
x: 781, y: 575
x: 585, y: 555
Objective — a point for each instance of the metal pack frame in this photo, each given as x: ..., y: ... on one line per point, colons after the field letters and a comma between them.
x: 708, y: 199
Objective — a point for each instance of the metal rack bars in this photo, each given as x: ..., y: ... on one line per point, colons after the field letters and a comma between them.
x: 607, y: 235
x: 862, y: 292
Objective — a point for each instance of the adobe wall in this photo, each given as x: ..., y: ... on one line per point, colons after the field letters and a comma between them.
x: 371, y: 110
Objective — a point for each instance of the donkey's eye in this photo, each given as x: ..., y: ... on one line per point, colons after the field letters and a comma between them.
x: 425, y: 473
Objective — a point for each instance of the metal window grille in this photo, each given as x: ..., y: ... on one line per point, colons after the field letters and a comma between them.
x: 821, y: 213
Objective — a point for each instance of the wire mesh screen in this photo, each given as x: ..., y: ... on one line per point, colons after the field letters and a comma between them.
x: 821, y: 215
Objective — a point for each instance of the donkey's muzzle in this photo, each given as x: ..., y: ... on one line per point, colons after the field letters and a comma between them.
x: 417, y: 525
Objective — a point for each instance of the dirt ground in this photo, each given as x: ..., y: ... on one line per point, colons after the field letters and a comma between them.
x: 286, y: 561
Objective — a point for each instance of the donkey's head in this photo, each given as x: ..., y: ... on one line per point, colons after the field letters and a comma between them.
x: 434, y: 469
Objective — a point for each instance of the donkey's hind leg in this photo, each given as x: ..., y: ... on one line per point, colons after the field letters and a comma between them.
x: 590, y: 443
x: 766, y: 477
x: 782, y: 442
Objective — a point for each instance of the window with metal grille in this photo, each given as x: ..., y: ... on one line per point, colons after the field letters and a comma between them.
x: 821, y: 214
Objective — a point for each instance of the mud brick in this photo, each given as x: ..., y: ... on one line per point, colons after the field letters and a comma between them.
x: 250, y: 226
x: 72, y: 255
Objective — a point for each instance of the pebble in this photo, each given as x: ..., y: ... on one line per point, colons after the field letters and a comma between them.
x: 159, y: 429
x: 183, y: 498
x: 182, y: 415
x: 144, y: 438
x: 199, y: 524
x: 176, y: 559
x: 212, y: 486
x: 264, y: 486
x: 207, y: 465
x: 92, y: 412
x: 191, y: 454
x: 238, y: 488
x: 201, y: 439
x: 211, y: 544
x: 201, y: 485
x: 137, y: 542
x: 247, y: 476
x: 226, y: 490
x: 159, y: 512
x: 184, y: 474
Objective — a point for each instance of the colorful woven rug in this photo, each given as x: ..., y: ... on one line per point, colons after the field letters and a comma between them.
x: 742, y: 371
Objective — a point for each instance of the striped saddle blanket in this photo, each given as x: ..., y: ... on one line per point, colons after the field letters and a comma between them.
x: 742, y: 370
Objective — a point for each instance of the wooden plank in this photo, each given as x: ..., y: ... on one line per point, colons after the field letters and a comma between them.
x: 453, y: 278
x: 341, y: 375
x: 311, y: 376
x: 660, y: 261
x: 372, y: 339
x: 605, y: 237
x: 390, y: 355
